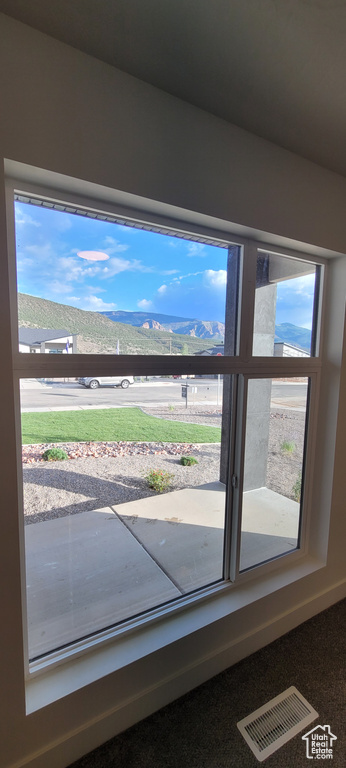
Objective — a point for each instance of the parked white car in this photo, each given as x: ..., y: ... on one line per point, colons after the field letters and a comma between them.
x: 93, y: 382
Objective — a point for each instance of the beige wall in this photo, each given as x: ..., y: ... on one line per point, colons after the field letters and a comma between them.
x: 67, y: 113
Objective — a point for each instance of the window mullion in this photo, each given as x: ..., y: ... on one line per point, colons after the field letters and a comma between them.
x: 236, y: 476
x: 247, y: 307
x: 141, y: 365
x: 309, y: 456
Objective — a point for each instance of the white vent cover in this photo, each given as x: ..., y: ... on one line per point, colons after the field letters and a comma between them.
x: 271, y: 726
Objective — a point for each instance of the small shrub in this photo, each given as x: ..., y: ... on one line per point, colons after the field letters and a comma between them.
x: 158, y: 480
x: 288, y: 447
x: 54, y: 454
x: 187, y: 461
x: 297, y: 489
x: 171, y: 407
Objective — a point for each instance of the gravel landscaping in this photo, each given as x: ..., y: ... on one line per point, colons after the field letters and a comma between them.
x: 55, y: 489
x: 284, y: 468
x: 103, y: 474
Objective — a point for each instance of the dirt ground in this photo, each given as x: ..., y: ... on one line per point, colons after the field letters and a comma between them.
x: 91, y: 481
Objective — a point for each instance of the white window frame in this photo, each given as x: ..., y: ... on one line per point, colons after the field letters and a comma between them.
x: 112, y: 649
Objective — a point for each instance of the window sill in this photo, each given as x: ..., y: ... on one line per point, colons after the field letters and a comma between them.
x: 58, y: 676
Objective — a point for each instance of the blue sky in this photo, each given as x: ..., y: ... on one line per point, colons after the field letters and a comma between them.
x: 97, y: 265
x: 139, y: 270
x: 295, y: 301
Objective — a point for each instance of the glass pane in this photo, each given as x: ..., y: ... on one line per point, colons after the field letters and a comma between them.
x: 89, y: 284
x: 123, y: 520
x: 284, y: 306
x: 273, y: 468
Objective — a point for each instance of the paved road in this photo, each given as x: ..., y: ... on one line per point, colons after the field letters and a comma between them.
x: 35, y: 396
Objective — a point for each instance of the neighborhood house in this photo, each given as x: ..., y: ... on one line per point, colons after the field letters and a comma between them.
x: 47, y: 340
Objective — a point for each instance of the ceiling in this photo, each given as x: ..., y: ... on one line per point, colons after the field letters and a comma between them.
x: 274, y: 67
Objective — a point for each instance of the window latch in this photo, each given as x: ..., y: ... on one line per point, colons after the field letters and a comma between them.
x: 234, y: 481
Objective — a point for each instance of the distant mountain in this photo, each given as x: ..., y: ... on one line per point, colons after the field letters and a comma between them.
x: 98, y: 334
x: 201, y: 329
x: 138, y: 318
x: 154, y: 325
x: 293, y: 334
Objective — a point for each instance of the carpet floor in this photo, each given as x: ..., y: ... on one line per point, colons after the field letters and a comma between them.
x: 199, y: 729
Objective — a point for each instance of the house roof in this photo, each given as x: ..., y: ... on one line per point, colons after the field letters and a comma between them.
x: 218, y: 350
x: 32, y: 336
x: 292, y: 346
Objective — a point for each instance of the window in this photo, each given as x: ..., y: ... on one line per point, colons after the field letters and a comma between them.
x: 275, y: 427
x: 219, y: 339
x: 285, y: 286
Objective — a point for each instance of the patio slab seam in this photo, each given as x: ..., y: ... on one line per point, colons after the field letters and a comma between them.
x: 137, y: 539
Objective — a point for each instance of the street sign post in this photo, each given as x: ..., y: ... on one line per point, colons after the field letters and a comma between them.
x: 184, y: 392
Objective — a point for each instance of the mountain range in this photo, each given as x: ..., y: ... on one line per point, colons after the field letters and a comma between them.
x: 151, y: 334
x: 99, y: 334
x: 202, y: 329
x: 293, y: 334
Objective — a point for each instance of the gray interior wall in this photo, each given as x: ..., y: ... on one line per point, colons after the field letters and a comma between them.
x: 68, y: 113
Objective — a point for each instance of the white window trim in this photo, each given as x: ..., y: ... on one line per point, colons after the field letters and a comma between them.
x: 108, y: 651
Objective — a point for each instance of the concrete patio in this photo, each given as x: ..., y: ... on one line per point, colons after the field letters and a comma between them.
x: 91, y: 570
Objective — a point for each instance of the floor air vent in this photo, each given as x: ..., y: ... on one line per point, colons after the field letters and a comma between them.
x: 272, y: 725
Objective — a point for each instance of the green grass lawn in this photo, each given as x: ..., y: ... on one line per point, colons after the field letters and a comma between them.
x: 109, y: 425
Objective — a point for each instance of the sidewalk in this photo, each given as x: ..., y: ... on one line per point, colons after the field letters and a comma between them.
x: 88, y: 571
x: 33, y: 384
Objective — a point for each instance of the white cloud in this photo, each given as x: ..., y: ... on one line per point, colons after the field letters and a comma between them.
x: 23, y: 264
x: 304, y: 285
x: 95, y: 304
x: 113, y: 246
x: 23, y: 218
x: 117, y: 265
x: 295, y: 299
x: 169, y: 272
x: 59, y: 286
x: 190, y: 274
x: 73, y: 298
x: 137, y: 266
x: 126, y: 228
x: 42, y: 252
x: 196, y: 249
x: 144, y: 304
x: 162, y: 289
x: 75, y: 270
x: 62, y: 223
x: 64, y: 269
x: 94, y: 289
x: 216, y: 278
x: 301, y: 284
